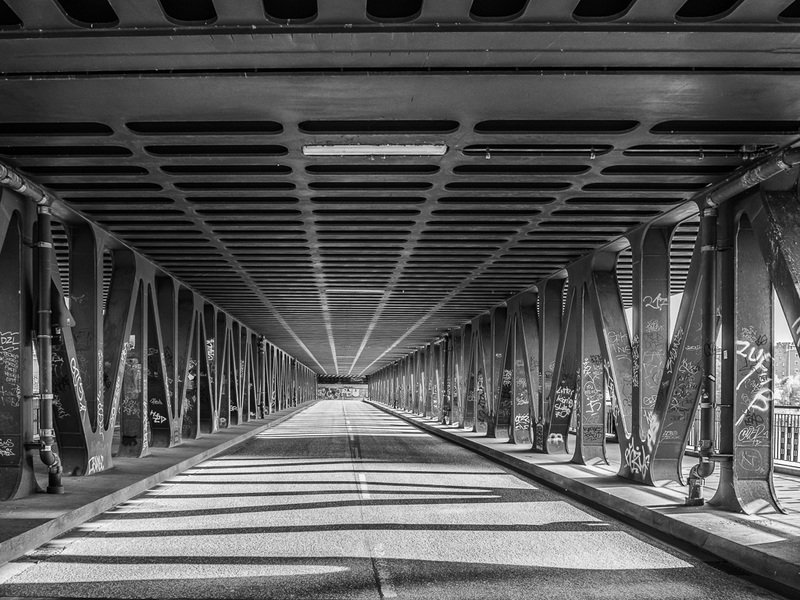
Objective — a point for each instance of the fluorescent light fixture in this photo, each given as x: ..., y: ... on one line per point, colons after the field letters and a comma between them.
x: 376, y: 150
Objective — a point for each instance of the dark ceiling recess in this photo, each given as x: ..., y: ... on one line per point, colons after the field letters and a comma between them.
x: 693, y: 150
x: 706, y: 10
x: 393, y: 10
x: 489, y: 150
x: 48, y: 129
x: 80, y: 171
x: 519, y: 169
x: 93, y: 13
x: 570, y: 126
x: 226, y: 169
x: 497, y: 10
x: 195, y: 12
x: 204, y: 127
x: 212, y: 150
x: 791, y: 12
x: 379, y: 169
x: 735, y: 127
x: 8, y: 18
x: 379, y: 126
x: 65, y: 151
x: 601, y: 10
x: 285, y: 11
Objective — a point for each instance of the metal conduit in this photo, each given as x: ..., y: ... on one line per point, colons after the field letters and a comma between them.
x: 47, y: 437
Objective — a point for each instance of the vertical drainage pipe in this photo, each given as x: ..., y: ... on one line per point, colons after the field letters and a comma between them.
x: 708, y: 389
x: 44, y: 336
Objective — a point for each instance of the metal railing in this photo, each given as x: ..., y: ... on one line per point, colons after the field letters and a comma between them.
x: 785, y: 433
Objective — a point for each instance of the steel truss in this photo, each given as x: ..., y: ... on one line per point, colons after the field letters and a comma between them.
x: 152, y: 365
x: 563, y: 358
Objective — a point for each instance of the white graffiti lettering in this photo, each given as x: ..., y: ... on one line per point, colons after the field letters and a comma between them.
x: 657, y: 303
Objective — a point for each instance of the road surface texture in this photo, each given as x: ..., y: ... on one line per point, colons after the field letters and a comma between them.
x: 345, y: 501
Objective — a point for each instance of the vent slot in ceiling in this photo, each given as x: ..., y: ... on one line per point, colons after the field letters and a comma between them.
x: 126, y: 200
x: 645, y: 187
x: 680, y: 170
x: 370, y: 185
x: 216, y: 150
x: 196, y: 12
x: 226, y: 169
x: 489, y: 150
x: 55, y: 129
x: 601, y: 10
x: 393, y: 11
x: 693, y: 150
x: 491, y: 201
x: 234, y: 185
x: 370, y: 200
x: 65, y: 151
x: 509, y: 186
x: 637, y: 201
x: 140, y: 186
x: 497, y: 10
x: 80, y: 171
x: 556, y: 126
x: 380, y: 169
x: 291, y: 11
x: 706, y: 10
x: 204, y: 127
x: 520, y: 169
x: 379, y: 127
x: 8, y: 18
x: 728, y: 127
x: 90, y: 13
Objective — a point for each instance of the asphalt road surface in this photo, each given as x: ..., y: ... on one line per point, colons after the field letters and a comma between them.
x: 345, y: 501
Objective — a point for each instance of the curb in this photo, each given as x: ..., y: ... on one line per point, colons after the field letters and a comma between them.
x: 19, y: 545
x: 758, y: 562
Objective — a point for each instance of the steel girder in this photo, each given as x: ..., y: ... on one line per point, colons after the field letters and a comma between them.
x: 562, y: 369
x: 139, y: 360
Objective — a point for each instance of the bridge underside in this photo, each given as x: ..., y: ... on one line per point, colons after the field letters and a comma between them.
x: 457, y: 201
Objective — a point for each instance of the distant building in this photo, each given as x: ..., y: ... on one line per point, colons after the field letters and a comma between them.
x: 786, y: 361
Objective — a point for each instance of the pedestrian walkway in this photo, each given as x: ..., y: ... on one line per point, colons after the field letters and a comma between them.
x: 29, y: 522
x: 767, y: 544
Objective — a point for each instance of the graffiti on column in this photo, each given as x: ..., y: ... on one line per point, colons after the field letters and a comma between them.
x: 480, y: 400
x: 157, y: 407
x: 522, y: 402
x: 592, y: 426
x: 9, y: 398
x: 753, y: 403
x: 505, y: 408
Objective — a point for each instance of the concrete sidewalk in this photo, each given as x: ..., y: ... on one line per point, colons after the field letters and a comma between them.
x: 29, y: 522
x: 767, y: 545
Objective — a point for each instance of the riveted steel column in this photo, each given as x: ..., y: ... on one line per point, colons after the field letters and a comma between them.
x: 17, y: 477
x: 590, y: 445
x: 550, y: 317
x: 746, y: 399
x: 158, y: 401
x: 565, y: 375
x: 447, y: 381
x: 651, y: 293
x: 495, y: 355
x: 483, y: 367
